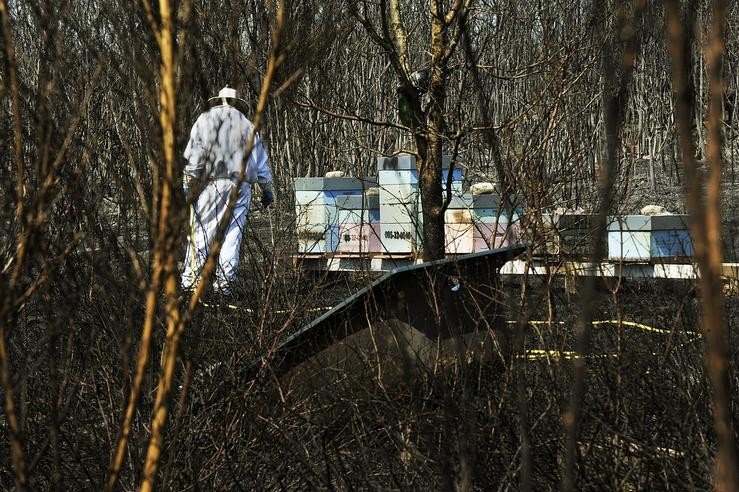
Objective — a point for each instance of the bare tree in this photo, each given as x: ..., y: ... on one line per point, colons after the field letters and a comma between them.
x: 706, y: 212
x: 427, y: 124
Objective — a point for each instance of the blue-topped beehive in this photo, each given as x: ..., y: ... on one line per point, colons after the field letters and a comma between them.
x: 317, y: 220
x: 649, y: 238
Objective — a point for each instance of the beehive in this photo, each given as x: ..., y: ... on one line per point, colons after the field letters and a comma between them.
x: 544, y: 235
x: 458, y: 226
x: 402, y: 169
x: 576, y: 235
x: 359, y: 223
x: 629, y: 238
x: 663, y: 238
x: 486, y: 209
x: 569, y: 235
x: 494, y: 228
x: 315, y: 209
x: 312, y: 238
x: 399, y: 238
x: 670, y: 239
x: 397, y: 177
x: 492, y: 236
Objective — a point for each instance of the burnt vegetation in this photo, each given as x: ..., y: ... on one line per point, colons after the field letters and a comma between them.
x: 112, y: 379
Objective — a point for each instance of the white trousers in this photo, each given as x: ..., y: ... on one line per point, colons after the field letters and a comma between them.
x: 205, y: 215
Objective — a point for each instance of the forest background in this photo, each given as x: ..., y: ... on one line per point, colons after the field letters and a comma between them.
x: 605, y: 106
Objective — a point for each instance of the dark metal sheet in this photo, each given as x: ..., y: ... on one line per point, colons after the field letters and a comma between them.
x: 440, y: 299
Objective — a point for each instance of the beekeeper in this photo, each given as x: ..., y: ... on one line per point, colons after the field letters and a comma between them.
x: 215, y: 155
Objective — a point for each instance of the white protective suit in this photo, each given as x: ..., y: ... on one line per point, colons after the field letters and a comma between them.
x: 214, y: 154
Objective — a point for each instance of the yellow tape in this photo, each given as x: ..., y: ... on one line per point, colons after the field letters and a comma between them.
x: 535, y: 354
x: 633, y: 324
x: 279, y: 311
x: 538, y: 354
x: 604, y: 322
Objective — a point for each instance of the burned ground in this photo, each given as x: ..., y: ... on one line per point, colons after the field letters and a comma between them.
x: 646, y: 422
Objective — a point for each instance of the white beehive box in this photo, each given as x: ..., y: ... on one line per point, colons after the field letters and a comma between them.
x: 459, y: 238
x: 358, y: 209
x: 359, y: 238
x: 459, y: 210
x: 309, y: 197
x: 357, y: 216
x: 316, y: 238
x: 399, y: 238
x: 310, y: 215
x: 398, y: 193
x: 411, y: 176
x: 396, y: 162
x: 458, y: 227
x: 629, y: 238
x: 392, y: 177
x: 407, y: 162
x: 398, y: 203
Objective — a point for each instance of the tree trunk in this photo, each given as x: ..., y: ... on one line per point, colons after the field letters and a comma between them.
x: 430, y: 167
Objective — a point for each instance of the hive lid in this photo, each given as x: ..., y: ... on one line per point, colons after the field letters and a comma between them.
x: 486, y: 201
x: 630, y: 223
x: 402, y: 162
x: 670, y: 222
x: 460, y: 201
x: 358, y: 202
x: 334, y: 184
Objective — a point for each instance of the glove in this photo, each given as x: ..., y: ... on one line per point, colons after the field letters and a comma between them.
x: 267, y: 198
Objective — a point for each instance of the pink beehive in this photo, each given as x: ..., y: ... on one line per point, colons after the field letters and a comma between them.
x: 493, y: 236
x: 359, y: 238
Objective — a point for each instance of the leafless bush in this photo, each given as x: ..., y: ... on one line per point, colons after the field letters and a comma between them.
x: 84, y: 165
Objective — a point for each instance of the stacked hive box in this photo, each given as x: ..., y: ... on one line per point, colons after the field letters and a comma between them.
x: 399, y: 214
x: 400, y: 202
x: 492, y: 227
x: 576, y: 235
x: 317, y: 216
x: 643, y: 238
x: 359, y: 223
x: 569, y: 235
x: 547, y: 242
x: 455, y: 180
x: 333, y: 217
x: 458, y: 225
